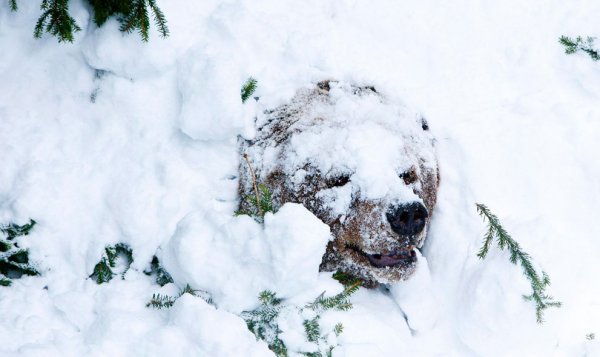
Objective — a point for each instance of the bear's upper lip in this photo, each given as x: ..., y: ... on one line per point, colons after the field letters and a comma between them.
x: 395, y: 257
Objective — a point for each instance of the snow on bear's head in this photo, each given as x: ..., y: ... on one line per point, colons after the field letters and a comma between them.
x: 365, y: 166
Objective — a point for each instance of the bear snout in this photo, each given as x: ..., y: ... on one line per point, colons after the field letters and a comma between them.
x: 407, y: 219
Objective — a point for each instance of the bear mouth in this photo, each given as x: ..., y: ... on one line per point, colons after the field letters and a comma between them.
x: 400, y: 256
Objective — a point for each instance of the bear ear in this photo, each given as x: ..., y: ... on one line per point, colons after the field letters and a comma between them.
x: 424, y: 124
x: 324, y: 85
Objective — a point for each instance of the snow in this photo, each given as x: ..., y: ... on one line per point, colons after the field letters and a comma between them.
x: 152, y: 160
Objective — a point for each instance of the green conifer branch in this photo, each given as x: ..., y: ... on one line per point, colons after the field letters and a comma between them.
x: 312, y: 329
x: 338, y: 329
x: 248, y: 89
x: 517, y: 256
x: 55, y: 20
x: 579, y: 44
x: 4, y: 281
x: 162, y: 276
x: 103, y: 270
x: 159, y: 301
x: 12, y: 230
x: 159, y: 19
x: 262, y: 321
x: 13, y: 5
x: 261, y: 202
x: 14, y: 261
x: 339, y: 302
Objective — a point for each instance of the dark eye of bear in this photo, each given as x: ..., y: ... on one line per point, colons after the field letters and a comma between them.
x: 409, y: 176
x: 337, y: 181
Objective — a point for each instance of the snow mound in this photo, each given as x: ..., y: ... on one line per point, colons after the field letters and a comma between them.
x: 235, y: 258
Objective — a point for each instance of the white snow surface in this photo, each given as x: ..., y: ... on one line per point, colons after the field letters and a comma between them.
x: 110, y: 139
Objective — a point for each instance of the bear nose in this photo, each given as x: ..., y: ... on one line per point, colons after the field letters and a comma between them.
x: 407, y: 219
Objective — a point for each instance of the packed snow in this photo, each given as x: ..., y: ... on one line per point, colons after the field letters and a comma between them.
x: 110, y: 140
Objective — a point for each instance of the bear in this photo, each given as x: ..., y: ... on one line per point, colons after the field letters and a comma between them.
x: 363, y: 164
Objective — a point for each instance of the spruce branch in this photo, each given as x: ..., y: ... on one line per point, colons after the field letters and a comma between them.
x: 248, y: 89
x: 103, y: 270
x: 262, y: 202
x: 55, y: 20
x: 339, y: 302
x: 4, y: 281
x: 518, y: 257
x: 162, y: 276
x: 262, y: 321
x: 14, y: 260
x: 12, y: 230
x: 579, y: 44
x: 159, y: 19
x: 257, y: 202
x: 159, y: 301
x: 338, y: 329
x: 13, y: 5
x: 312, y: 329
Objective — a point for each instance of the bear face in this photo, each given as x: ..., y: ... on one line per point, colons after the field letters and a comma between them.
x: 363, y: 165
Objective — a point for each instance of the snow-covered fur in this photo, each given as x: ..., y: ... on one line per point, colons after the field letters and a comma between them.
x: 357, y: 161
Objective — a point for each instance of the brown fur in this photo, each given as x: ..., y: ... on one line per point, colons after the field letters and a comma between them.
x: 362, y: 227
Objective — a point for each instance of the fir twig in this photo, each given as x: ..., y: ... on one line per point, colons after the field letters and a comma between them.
x: 579, y: 44
x: 339, y: 302
x: 312, y: 329
x: 162, y: 276
x: 13, y: 5
x: 12, y: 230
x: 159, y: 19
x: 159, y: 301
x: 248, y: 89
x: 55, y: 19
x: 517, y: 256
x: 103, y: 270
x: 338, y: 329
x: 260, y: 211
x: 14, y: 260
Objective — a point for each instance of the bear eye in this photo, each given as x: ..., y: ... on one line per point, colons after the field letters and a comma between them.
x: 409, y: 176
x: 337, y: 181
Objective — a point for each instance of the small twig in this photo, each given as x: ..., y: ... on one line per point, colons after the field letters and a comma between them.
x: 254, y: 184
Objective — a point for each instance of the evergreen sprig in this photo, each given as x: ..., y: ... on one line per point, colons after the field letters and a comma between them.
x: 139, y: 19
x: 266, y: 200
x: 12, y: 230
x: 159, y: 301
x: 133, y: 15
x: 517, y: 256
x: 338, y: 329
x: 340, y: 302
x: 312, y: 329
x: 162, y: 276
x: 579, y: 44
x: 260, y: 208
x: 56, y: 20
x: 248, y: 89
x: 262, y: 322
x: 14, y: 260
x: 103, y: 270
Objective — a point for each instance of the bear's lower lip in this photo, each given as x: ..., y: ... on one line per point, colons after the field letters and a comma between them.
x: 399, y: 256
x: 392, y: 259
